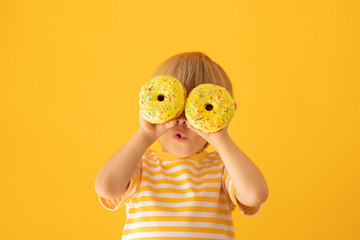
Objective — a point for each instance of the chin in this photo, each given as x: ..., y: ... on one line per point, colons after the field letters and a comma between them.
x: 178, y: 152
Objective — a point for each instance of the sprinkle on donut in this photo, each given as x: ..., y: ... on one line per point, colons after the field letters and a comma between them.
x: 209, y: 108
x: 161, y: 98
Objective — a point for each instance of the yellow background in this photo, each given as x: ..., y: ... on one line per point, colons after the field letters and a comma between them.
x: 70, y: 76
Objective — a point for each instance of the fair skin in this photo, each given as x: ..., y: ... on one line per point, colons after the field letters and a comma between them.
x: 249, y: 183
x: 113, y: 178
x: 194, y: 142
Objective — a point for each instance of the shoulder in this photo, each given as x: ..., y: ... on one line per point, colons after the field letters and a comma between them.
x: 213, y: 154
x: 150, y: 151
x: 150, y: 154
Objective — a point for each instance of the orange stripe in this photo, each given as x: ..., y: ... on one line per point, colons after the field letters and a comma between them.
x: 148, y: 155
x: 108, y: 203
x: 202, y: 161
x: 180, y: 200
x: 152, y: 160
x: 180, y: 209
x: 185, y: 190
x: 179, y: 218
x: 176, y: 164
x: 180, y: 182
x: 178, y: 229
x: 180, y: 172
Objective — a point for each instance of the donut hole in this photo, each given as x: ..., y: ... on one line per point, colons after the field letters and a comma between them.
x: 209, y: 107
x: 160, y: 98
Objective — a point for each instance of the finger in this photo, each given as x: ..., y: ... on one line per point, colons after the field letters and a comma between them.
x: 192, y: 128
x: 170, y: 123
x: 188, y: 125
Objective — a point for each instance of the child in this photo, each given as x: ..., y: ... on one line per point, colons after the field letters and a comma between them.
x: 181, y: 191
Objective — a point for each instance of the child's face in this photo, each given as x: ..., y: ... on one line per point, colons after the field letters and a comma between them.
x: 180, y: 141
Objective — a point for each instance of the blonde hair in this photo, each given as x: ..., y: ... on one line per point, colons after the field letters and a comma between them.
x: 193, y: 69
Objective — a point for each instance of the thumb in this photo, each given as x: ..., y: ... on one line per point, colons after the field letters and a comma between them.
x: 193, y: 129
x: 170, y: 123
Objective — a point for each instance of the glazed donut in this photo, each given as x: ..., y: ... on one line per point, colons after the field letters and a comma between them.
x: 209, y: 108
x: 162, y: 98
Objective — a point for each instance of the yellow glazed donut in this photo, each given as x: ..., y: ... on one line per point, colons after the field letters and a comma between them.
x: 209, y: 108
x: 162, y: 98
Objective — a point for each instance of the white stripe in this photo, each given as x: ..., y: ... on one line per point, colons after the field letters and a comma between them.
x: 213, y: 155
x: 107, y: 200
x: 180, y: 204
x: 202, y: 162
x: 131, y: 191
x: 205, y: 159
x: 127, y: 194
x: 146, y: 158
x: 180, y: 195
x: 227, y: 181
x: 137, y: 195
x: 111, y: 201
x: 229, y: 191
x: 183, y: 186
x: 165, y: 163
x: 185, y: 214
x: 178, y: 224
x: 154, y: 153
x: 176, y: 234
x: 182, y: 176
x: 181, y: 167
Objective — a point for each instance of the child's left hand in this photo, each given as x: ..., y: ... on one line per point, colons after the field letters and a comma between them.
x: 210, y: 137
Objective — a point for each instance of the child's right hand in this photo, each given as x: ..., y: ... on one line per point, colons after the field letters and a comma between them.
x: 155, y: 130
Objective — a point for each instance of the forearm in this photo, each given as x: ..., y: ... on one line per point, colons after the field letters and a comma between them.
x: 248, y: 181
x: 115, y: 174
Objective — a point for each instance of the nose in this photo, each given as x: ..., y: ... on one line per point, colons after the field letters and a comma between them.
x: 181, y: 119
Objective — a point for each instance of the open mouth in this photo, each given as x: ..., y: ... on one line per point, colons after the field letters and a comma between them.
x: 179, y: 135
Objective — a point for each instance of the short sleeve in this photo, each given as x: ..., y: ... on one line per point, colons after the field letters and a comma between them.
x: 230, y: 194
x: 125, y: 198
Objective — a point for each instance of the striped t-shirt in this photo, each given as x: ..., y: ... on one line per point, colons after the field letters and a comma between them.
x: 179, y: 198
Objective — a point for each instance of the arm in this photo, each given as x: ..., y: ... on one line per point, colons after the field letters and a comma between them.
x: 113, y: 178
x: 244, y: 174
x: 249, y: 183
